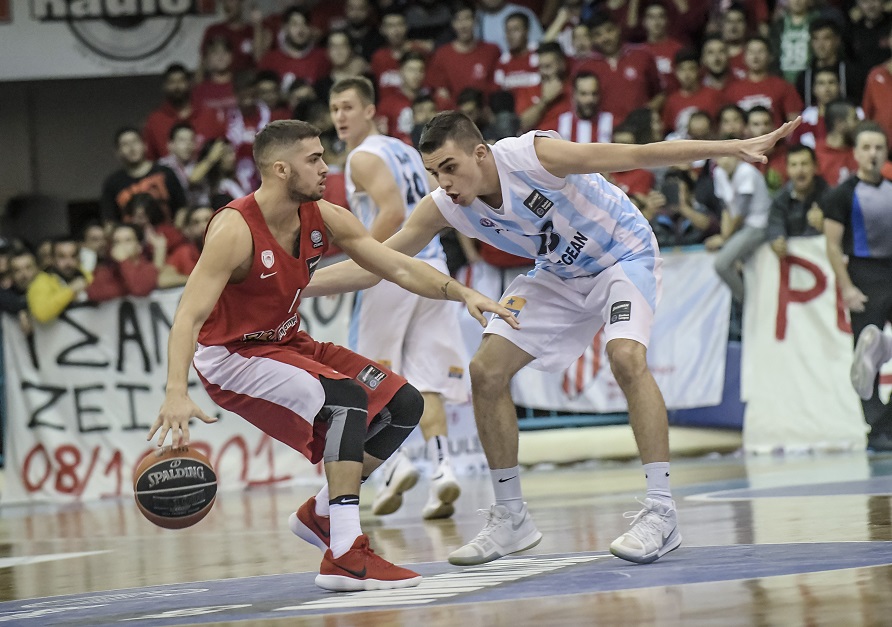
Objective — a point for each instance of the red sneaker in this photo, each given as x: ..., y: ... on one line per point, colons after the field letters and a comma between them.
x: 361, y: 569
x: 305, y: 523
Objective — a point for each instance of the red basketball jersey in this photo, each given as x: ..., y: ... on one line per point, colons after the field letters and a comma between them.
x: 263, y: 307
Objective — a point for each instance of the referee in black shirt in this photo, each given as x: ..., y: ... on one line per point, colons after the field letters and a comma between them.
x: 858, y: 225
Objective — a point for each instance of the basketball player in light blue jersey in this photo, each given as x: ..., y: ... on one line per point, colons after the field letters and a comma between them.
x: 597, y: 265
x: 385, y: 179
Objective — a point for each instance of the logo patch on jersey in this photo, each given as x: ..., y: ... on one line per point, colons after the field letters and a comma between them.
x: 312, y: 263
x: 487, y: 222
x: 456, y: 372
x: 371, y: 377
x: 513, y: 304
x: 267, y: 259
x: 621, y: 311
x: 538, y: 204
x: 316, y: 238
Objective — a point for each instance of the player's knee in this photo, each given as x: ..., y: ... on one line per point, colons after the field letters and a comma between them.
x: 487, y: 376
x: 346, y: 414
x: 628, y: 360
x: 406, y: 407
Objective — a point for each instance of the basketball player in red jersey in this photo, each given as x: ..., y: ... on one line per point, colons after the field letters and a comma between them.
x: 240, y: 305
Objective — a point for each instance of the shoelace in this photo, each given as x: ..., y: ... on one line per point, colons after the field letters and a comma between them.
x: 492, y: 519
x: 648, y: 524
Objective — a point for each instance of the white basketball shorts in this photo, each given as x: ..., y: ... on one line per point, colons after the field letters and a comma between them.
x: 560, y: 317
x: 416, y: 337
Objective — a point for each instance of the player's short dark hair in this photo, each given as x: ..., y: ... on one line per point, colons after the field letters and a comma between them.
x: 360, y: 84
x: 450, y: 125
x: 176, y: 128
x: 519, y: 15
x: 123, y: 131
x: 278, y: 134
x: 795, y: 149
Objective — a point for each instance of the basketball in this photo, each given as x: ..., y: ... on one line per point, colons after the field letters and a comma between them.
x: 175, y: 489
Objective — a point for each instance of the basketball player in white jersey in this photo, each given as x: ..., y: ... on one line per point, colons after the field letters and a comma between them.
x: 597, y: 265
x: 385, y: 179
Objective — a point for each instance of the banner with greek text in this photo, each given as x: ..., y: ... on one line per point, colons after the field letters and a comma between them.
x: 41, y: 39
x: 82, y: 391
x: 81, y: 394
x: 686, y: 352
x: 797, y: 351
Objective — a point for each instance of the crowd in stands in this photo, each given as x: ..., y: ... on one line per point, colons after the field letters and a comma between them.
x: 626, y: 71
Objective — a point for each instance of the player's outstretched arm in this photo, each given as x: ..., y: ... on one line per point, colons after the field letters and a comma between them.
x: 347, y: 276
x: 562, y: 158
x: 407, y: 272
x: 228, y: 245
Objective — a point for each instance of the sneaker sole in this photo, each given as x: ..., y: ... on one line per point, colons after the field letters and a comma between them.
x: 303, y: 532
x: 442, y: 510
x: 672, y: 543
x: 338, y: 583
x: 449, y: 492
x: 393, y: 501
x: 526, y: 544
x: 861, y: 368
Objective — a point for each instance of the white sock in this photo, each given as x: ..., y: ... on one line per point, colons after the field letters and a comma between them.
x: 886, y: 341
x: 344, y: 526
x: 657, y: 476
x: 438, y: 449
x: 322, y: 501
x: 506, y: 485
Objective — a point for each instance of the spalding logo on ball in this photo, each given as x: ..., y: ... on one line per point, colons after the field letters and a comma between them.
x: 175, y: 489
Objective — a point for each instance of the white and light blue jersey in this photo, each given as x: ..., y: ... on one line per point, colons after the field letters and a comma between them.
x: 408, y: 172
x: 573, y: 227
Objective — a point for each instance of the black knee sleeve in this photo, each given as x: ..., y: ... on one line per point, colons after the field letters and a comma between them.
x: 346, y: 413
x: 392, y: 426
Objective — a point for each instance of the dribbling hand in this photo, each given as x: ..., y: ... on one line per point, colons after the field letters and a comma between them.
x: 174, y: 418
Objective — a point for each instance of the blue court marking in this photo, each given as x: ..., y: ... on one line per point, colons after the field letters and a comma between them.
x: 295, y: 595
x: 875, y: 486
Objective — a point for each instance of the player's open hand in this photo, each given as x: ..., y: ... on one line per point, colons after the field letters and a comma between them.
x: 754, y: 150
x: 477, y: 303
x: 174, y: 418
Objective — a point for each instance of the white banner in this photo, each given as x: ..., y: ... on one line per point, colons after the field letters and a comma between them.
x: 686, y: 353
x: 83, y: 391
x: 81, y: 396
x: 797, y: 351
x: 41, y: 39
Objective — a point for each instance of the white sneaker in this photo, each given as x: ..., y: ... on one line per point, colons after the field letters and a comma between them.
x: 654, y: 533
x: 401, y: 475
x: 867, y: 360
x: 504, y: 533
x: 444, y: 491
